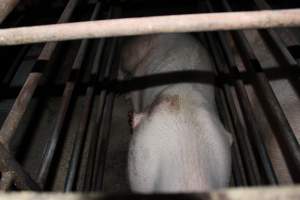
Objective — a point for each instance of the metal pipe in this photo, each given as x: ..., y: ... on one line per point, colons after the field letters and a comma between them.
x: 104, y: 128
x: 285, y: 136
x: 80, y: 135
x: 65, y: 106
x: 6, y: 6
x: 237, y: 164
x: 148, y: 25
x: 241, y: 131
x: 14, y: 117
x: 252, y: 122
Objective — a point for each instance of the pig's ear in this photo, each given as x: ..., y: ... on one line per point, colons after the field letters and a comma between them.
x: 137, y: 119
x: 229, y: 137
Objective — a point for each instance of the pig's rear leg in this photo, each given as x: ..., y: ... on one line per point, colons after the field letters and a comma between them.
x: 142, y: 166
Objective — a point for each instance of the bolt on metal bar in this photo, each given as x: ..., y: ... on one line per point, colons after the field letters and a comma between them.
x: 14, y: 117
x: 65, y: 107
x: 241, y: 131
x: 285, y: 136
x: 6, y: 6
x: 149, y: 25
x: 80, y: 135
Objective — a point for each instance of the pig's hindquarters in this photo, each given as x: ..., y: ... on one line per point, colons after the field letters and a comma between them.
x: 189, y: 153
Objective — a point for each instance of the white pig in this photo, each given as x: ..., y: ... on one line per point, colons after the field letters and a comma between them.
x: 179, y: 143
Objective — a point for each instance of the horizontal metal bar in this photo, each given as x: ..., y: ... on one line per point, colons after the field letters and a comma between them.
x: 262, y: 193
x: 148, y: 25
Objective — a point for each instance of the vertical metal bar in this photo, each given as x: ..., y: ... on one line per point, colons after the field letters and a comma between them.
x: 252, y: 123
x: 65, y: 106
x: 285, y: 136
x: 237, y: 164
x: 241, y: 131
x: 98, y: 128
x: 104, y: 128
x: 80, y: 135
x: 14, y: 117
x: 89, y: 179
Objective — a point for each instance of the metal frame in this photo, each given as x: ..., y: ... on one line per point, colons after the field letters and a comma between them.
x: 248, y: 144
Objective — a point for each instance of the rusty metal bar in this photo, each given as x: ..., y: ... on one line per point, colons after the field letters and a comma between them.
x: 6, y: 6
x: 286, y: 137
x: 241, y: 131
x: 65, y: 106
x: 22, y: 179
x: 148, y: 25
x: 14, y: 117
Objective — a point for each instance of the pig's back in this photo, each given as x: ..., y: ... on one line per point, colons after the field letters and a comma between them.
x: 173, y: 53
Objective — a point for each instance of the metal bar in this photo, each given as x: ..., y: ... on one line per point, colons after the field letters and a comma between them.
x: 253, y: 123
x: 95, y: 124
x: 148, y: 25
x: 22, y: 179
x: 262, y: 193
x: 14, y: 67
x: 241, y: 131
x: 7, y: 179
x: 274, y: 39
x: 237, y: 164
x: 65, y: 106
x: 285, y: 136
x: 14, y: 117
x: 6, y: 6
x: 104, y: 128
x: 80, y: 135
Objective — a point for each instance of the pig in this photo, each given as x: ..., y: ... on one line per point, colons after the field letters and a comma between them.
x: 179, y: 143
